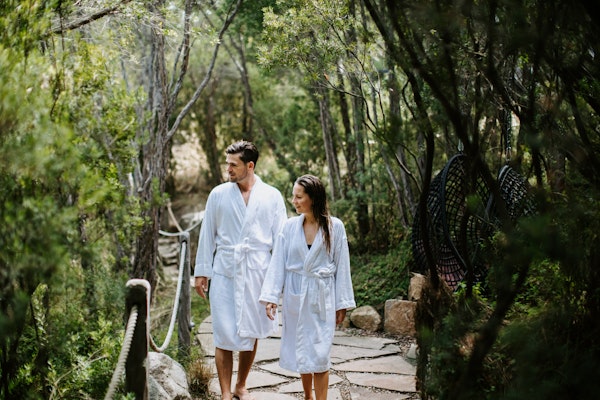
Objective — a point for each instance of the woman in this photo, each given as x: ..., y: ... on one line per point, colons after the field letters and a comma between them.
x: 311, y: 266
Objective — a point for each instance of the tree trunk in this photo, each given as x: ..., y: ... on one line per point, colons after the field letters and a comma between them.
x: 155, y: 152
x: 153, y: 159
x: 358, y: 126
x: 327, y: 129
x: 209, y: 139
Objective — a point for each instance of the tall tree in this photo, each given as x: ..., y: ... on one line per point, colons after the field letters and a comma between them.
x: 163, y: 90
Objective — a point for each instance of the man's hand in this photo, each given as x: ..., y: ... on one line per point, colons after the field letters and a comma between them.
x: 201, y: 285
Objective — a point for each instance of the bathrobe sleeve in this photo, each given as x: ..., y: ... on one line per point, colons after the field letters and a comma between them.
x: 208, y: 234
x: 275, y: 276
x: 344, y: 293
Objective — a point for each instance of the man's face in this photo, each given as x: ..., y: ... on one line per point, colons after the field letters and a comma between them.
x: 237, y: 170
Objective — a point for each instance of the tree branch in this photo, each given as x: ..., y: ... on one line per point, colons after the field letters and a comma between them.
x: 87, y: 19
x: 186, y: 109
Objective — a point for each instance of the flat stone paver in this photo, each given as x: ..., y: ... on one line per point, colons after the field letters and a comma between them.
x: 255, y: 380
x: 399, y: 383
x: 296, y: 386
x: 258, y: 379
x: 363, y: 368
x: 346, y: 353
x: 365, y: 393
x: 207, y: 344
x: 267, y: 350
x: 276, y: 369
x: 389, y: 365
x: 374, y: 343
x: 272, y: 396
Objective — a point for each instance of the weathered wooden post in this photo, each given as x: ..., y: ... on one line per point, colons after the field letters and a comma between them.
x: 184, y: 307
x: 136, y: 366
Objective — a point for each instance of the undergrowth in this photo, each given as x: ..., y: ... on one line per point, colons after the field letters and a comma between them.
x: 379, y: 277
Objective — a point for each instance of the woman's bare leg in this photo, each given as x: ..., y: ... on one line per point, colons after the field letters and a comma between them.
x: 321, y: 385
x: 307, y: 385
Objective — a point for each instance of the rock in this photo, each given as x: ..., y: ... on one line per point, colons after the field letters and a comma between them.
x: 155, y: 391
x: 168, y: 377
x: 400, y: 317
x: 367, y: 318
x: 415, y: 288
x: 412, y: 352
x: 346, y: 322
x: 187, y: 160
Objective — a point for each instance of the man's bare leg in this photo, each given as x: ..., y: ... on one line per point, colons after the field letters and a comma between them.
x: 307, y: 380
x: 224, y: 363
x: 246, y: 358
x: 321, y: 385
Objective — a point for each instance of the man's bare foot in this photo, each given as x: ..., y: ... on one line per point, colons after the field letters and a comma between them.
x: 227, y: 397
x: 243, y: 394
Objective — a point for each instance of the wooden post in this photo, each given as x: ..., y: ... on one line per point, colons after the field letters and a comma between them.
x: 136, y: 366
x: 184, y: 307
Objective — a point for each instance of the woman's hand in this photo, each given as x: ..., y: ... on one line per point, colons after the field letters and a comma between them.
x: 339, y: 316
x: 271, y: 309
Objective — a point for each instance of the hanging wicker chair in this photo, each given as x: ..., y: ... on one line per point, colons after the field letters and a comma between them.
x: 516, y: 194
x: 448, y: 220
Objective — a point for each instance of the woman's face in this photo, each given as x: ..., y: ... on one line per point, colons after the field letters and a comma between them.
x: 301, y: 201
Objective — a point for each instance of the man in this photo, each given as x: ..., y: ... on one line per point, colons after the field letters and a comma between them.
x: 241, y: 221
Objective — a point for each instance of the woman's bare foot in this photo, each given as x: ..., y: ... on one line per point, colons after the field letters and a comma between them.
x: 242, y: 394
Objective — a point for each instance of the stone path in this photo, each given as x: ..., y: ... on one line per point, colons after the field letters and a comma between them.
x: 363, y: 367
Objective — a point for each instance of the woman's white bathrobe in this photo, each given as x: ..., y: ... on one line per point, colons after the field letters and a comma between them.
x: 234, y: 250
x: 314, y: 284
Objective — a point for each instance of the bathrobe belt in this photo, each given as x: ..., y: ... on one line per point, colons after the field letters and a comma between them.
x: 241, y: 259
x: 240, y: 251
x: 318, y: 303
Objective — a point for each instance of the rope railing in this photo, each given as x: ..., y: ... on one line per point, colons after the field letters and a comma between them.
x: 134, y: 352
x: 175, y: 303
x: 133, y: 315
x: 180, y: 231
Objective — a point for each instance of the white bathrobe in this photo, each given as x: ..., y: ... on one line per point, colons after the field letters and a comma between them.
x: 234, y: 250
x: 315, y: 284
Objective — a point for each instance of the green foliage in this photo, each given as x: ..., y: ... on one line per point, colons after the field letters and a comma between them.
x: 286, y: 112
x: 65, y: 152
x: 303, y: 34
x: 547, y: 343
x: 379, y: 277
x: 24, y: 22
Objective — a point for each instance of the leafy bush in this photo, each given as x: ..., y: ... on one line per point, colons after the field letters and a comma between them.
x: 379, y: 277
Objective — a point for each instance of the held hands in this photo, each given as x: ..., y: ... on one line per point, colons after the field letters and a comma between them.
x: 201, y: 285
x: 271, y: 309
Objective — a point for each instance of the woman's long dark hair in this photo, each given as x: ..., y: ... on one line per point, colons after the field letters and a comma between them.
x: 315, y: 189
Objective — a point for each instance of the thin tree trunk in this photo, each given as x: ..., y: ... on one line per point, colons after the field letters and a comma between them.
x: 358, y: 127
x: 153, y: 161
x: 349, y: 148
x: 209, y: 139
x: 327, y: 129
x: 155, y: 152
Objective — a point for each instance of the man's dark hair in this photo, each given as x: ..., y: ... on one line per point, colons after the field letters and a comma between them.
x: 247, y: 150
